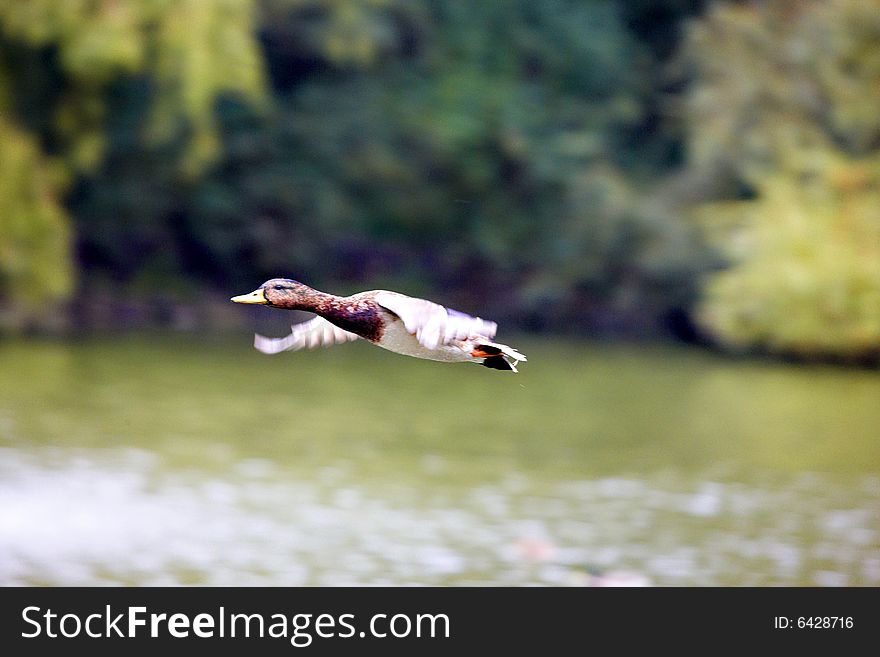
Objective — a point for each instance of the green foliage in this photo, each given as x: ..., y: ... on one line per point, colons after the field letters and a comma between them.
x: 484, y: 150
x: 480, y: 147
x: 807, y: 272
x: 522, y: 157
x: 35, y: 264
x: 191, y: 50
x: 58, y: 64
x: 784, y: 103
x: 202, y: 49
x: 350, y: 34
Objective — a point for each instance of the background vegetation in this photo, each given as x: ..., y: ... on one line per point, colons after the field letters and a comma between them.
x: 604, y: 167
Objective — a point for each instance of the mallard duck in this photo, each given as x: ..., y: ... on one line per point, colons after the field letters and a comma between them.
x: 393, y: 321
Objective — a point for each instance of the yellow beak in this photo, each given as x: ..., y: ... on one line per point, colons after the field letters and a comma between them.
x: 256, y: 296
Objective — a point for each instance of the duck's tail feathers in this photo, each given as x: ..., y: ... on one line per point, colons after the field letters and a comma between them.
x: 499, y: 356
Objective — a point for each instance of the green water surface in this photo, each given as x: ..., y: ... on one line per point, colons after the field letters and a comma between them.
x: 167, y: 459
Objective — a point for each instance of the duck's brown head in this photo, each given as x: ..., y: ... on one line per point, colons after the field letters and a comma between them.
x: 281, y: 293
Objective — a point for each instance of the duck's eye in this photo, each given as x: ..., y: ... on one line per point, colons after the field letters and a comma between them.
x: 278, y: 288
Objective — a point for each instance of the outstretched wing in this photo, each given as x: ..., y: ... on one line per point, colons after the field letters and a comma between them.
x: 432, y: 324
x: 316, y: 332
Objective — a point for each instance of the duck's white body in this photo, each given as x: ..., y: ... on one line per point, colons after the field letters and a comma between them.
x: 397, y: 339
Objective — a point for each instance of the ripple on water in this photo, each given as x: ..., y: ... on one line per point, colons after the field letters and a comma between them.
x: 120, y: 516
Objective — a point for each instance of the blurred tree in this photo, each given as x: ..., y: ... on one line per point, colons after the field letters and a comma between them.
x: 34, y: 232
x: 513, y: 155
x: 470, y: 147
x: 58, y: 63
x: 784, y: 104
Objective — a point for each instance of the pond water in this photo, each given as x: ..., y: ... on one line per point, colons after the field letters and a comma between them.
x: 167, y: 460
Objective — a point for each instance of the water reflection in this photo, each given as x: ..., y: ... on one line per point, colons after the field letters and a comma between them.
x: 123, y: 516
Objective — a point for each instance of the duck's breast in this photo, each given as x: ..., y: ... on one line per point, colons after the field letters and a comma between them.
x: 358, y: 316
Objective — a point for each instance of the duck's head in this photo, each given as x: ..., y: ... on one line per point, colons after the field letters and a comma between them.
x: 278, y: 292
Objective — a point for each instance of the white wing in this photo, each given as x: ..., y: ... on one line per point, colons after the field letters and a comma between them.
x: 316, y: 332
x: 431, y: 323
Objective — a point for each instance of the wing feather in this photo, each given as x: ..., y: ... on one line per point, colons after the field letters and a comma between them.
x: 316, y: 332
x: 432, y: 324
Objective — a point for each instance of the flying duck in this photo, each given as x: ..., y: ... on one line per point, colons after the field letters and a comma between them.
x: 393, y: 321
